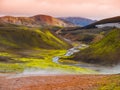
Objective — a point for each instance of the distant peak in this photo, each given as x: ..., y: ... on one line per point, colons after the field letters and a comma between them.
x: 7, y: 16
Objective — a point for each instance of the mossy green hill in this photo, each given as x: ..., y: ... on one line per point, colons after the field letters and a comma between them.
x: 31, y: 38
x: 104, y: 52
x: 23, y: 48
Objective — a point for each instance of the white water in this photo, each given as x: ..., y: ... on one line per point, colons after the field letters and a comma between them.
x: 55, y: 59
x: 69, y: 52
x: 100, y: 69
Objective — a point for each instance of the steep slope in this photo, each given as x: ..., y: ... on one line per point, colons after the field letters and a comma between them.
x: 90, y: 32
x: 83, y: 35
x: 105, y: 52
x: 26, y: 38
x: 50, y: 21
x: 35, y: 21
x: 104, y: 21
x: 4, y: 24
x: 78, y: 21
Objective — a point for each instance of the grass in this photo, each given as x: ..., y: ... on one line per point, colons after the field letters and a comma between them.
x: 110, y: 83
x: 23, y: 47
x: 30, y: 38
x: 105, y: 52
x: 41, y: 59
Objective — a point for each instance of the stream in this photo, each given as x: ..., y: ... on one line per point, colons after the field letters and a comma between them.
x: 70, y: 52
x: 51, y: 71
x: 100, y: 69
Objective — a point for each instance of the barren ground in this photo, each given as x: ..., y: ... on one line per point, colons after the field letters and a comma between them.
x: 55, y: 82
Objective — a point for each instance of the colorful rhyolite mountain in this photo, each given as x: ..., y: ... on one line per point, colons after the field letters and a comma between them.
x: 78, y: 21
x: 35, y: 21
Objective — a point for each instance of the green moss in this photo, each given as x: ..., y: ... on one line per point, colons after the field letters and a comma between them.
x: 106, y: 51
x: 32, y: 48
x: 26, y: 38
x: 5, y: 54
x: 51, y: 40
x: 111, y: 83
x: 40, y: 59
x: 5, y: 68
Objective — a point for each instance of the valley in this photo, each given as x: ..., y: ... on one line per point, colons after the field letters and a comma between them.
x: 45, y: 48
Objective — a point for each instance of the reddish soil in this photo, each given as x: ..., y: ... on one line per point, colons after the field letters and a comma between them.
x: 58, y: 82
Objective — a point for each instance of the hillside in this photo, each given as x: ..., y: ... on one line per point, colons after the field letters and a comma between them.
x: 83, y: 35
x: 104, y: 21
x: 23, y: 47
x: 35, y: 21
x: 90, y: 32
x: 105, y: 52
x: 24, y: 37
x: 78, y: 21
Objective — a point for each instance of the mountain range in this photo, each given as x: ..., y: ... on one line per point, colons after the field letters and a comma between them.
x: 46, y: 20
x: 91, y: 32
x: 35, y: 21
x: 78, y: 21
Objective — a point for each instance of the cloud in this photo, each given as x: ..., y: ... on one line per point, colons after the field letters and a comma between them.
x: 86, y: 8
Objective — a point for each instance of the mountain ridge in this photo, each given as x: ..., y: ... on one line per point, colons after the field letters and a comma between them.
x: 103, y: 21
x: 35, y: 21
x: 78, y: 21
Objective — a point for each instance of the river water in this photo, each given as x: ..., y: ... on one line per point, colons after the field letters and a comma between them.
x: 70, y: 52
x: 51, y: 71
x: 100, y: 69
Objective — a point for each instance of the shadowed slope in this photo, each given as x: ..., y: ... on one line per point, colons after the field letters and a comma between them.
x: 104, y: 21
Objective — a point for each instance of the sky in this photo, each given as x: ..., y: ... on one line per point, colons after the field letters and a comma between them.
x: 93, y: 9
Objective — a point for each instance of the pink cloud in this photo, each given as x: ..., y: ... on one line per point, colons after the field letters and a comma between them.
x: 96, y: 9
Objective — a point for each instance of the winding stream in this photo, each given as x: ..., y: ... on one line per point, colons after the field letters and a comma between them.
x: 70, y: 52
x: 100, y: 69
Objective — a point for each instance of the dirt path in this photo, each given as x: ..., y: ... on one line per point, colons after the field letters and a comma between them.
x: 59, y: 82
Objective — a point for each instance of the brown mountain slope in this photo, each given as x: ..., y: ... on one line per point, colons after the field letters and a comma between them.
x: 35, y: 21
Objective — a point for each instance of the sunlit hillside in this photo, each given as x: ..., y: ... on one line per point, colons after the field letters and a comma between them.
x: 105, y: 52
